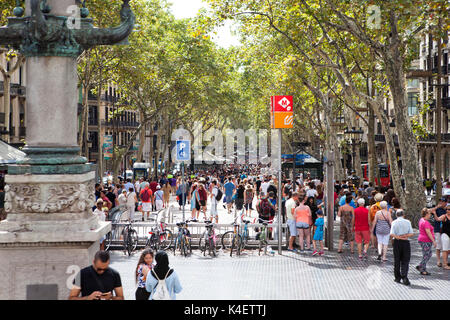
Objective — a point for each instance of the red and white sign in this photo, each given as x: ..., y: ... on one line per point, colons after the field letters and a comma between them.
x: 281, y: 112
x: 282, y: 104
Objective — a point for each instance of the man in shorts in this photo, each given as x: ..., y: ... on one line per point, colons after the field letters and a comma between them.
x: 229, y: 187
x: 214, y: 191
x: 362, y: 228
x: 146, y: 196
x: 291, y: 204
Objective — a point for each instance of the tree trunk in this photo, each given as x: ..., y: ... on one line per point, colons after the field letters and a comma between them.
x: 142, y: 138
x: 407, y: 140
x: 372, y: 157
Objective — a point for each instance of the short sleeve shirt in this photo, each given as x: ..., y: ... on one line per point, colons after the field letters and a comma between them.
x: 229, y: 188
x: 290, y: 204
x: 88, y: 280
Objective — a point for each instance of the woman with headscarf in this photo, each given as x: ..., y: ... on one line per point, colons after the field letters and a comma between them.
x: 161, y: 271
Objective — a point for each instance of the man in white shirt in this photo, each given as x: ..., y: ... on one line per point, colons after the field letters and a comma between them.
x: 214, y: 213
x: 265, y: 185
x: 122, y: 198
x: 159, y: 196
x: 291, y: 204
x: 137, y: 187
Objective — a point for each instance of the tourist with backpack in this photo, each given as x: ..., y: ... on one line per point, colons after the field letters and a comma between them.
x: 372, y: 212
x: 162, y: 282
x: 264, y: 208
x: 146, y: 198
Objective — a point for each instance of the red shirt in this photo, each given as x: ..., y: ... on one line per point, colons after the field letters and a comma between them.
x: 202, y: 194
x: 153, y: 186
x: 361, y: 219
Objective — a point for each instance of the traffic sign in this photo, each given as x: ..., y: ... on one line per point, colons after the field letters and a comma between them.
x: 281, y: 120
x: 183, y: 150
x: 282, y: 104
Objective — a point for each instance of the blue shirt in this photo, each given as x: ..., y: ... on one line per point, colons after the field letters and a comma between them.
x: 318, y: 235
x: 401, y: 226
x: 172, y: 283
x: 229, y: 188
x: 128, y: 185
x: 342, y: 202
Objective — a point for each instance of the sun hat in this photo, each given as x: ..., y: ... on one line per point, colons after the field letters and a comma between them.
x: 378, y: 197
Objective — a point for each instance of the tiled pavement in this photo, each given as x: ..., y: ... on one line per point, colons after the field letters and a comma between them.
x: 294, y: 276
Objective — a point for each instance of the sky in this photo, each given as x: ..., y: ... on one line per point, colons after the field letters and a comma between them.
x: 189, y: 8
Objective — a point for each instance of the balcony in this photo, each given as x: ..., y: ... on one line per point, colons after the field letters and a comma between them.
x: 120, y: 124
x: 445, y: 137
x: 92, y: 122
x: 445, y: 103
x: 17, y: 90
x: 380, y: 138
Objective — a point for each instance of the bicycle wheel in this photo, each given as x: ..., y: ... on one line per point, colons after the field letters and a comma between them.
x: 176, y: 244
x: 187, y: 244
x: 227, y: 240
x: 212, y: 247
x: 183, y: 246
x: 236, y: 245
x: 132, y: 241
x: 108, y: 240
x: 166, y: 239
x: 151, y: 242
x: 202, y: 245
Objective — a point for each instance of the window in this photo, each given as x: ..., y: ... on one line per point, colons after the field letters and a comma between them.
x: 413, y: 83
x: 412, y: 104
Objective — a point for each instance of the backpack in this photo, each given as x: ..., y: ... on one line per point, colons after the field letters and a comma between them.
x: 219, y: 194
x: 264, y: 209
x: 161, y: 292
x: 373, y: 211
x: 145, y: 196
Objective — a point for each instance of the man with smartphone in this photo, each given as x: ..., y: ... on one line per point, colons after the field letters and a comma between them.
x: 98, y: 281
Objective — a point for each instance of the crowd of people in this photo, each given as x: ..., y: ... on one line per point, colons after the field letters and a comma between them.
x: 370, y: 216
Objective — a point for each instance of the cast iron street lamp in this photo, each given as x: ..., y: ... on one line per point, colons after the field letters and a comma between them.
x: 356, y: 140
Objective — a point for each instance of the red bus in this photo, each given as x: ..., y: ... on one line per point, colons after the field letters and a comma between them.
x: 384, y: 173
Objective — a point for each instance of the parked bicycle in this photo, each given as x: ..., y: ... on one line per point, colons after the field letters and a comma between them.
x: 236, y: 240
x: 159, y: 238
x: 208, y: 240
x: 183, y: 240
x: 263, y: 237
x: 130, y: 238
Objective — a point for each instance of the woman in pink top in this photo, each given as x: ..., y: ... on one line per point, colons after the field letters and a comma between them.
x: 302, y: 215
x: 426, y: 240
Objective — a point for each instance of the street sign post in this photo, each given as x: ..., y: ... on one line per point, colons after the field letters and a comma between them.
x: 183, y: 155
x: 281, y: 117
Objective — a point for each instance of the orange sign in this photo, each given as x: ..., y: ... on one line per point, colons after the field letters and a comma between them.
x: 282, y: 120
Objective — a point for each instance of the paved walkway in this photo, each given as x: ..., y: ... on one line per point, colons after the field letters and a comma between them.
x: 293, y: 276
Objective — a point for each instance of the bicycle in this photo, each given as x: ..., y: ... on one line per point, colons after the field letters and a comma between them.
x: 263, y: 237
x: 208, y: 240
x: 182, y: 240
x: 236, y: 240
x: 159, y: 238
x: 130, y: 238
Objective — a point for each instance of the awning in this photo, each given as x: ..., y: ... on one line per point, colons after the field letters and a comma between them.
x: 9, y: 155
